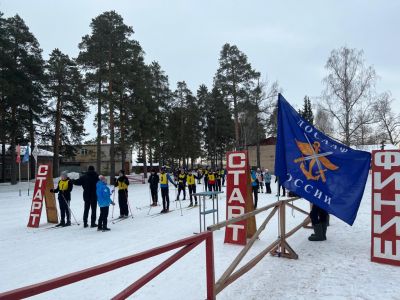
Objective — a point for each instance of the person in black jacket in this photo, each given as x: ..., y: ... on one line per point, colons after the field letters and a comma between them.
x: 88, y: 182
x: 64, y: 188
x: 154, y: 179
x: 122, y: 184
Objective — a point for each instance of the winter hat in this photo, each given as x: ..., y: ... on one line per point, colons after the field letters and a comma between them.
x: 90, y: 168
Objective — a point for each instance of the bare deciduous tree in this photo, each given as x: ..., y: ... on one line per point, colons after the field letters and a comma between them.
x: 388, y: 121
x: 348, y: 96
x: 323, y: 121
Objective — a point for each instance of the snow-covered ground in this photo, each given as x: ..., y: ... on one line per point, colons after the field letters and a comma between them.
x: 339, y: 268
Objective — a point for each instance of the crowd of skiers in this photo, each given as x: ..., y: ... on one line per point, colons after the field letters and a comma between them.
x: 214, y: 179
x: 96, y: 192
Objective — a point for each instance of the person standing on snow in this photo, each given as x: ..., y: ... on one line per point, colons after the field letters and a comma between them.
x: 279, y: 187
x: 122, y: 184
x: 205, y: 174
x: 211, y: 181
x: 319, y: 221
x: 254, y: 186
x: 191, y: 181
x: 182, y: 184
x: 153, y: 180
x: 267, y: 180
x: 64, y: 188
x: 260, y: 178
x: 88, y: 182
x: 218, y: 180
x: 103, y: 198
x: 164, y: 178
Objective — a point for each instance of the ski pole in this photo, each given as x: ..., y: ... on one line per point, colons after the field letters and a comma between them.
x: 70, y: 210
x: 129, y: 205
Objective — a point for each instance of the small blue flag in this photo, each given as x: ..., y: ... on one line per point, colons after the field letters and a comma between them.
x: 317, y: 168
x: 26, y: 155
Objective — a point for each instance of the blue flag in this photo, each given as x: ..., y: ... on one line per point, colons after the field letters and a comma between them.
x: 26, y: 155
x: 317, y: 168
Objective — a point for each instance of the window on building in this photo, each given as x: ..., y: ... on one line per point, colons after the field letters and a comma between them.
x: 84, y: 151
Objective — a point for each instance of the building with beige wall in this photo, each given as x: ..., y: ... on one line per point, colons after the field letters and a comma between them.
x: 87, y: 156
x: 267, y: 154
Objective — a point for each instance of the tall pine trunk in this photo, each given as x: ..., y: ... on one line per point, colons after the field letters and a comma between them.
x: 122, y: 128
x: 98, y: 141
x: 3, y: 141
x: 56, y: 147
x: 13, y: 147
x: 144, y: 159
x: 112, y: 126
x: 32, y: 142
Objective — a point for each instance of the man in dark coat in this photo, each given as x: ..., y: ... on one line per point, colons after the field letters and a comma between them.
x: 154, y: 179
x: 88, y: 181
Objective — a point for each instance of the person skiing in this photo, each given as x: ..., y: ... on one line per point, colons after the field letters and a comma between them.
x: 199, y: 175
x: 191, y: 181
x: 211, y: 181
x: 260, y: 178
x: 223, y: 176
x: 218, y: 180
x: 182, y: 184
x: 88, y: 182
x: 254, y: 186
x: 64, y: 188
x: 205, y: 174
x: 122, y: 183
x: 103, y: 198
x: 267, y: 180
x: 164, y: 178
x: 153, y: 180
x: 319, y: 221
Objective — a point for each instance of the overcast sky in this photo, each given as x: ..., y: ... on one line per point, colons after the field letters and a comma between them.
x: 288, y: 41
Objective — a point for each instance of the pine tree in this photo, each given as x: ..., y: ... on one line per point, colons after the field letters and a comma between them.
x: 110, y: 36
x: 21, y: 68
x: 306, y: 113
x: 235, y: 78
x: 66, y: 91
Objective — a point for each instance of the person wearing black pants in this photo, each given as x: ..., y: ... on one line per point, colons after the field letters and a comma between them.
x: 88, y: 183
x: 279, y: 187
x: 218, y: 178
x: 154, y: 179
x: 254, y: 186
x: 181, y: 184
x: 319, y: 221
x: 205, y: 174
x: 64, y: 188
x: 191, y: 181
x: 122, y: 184
x: 164, y: 178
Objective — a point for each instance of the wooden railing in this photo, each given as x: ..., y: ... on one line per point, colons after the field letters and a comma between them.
x: 187, y: 245
x: 279, y: 247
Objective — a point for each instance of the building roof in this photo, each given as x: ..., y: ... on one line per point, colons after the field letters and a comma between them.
x: 42, y: 152
x: 266, y: 142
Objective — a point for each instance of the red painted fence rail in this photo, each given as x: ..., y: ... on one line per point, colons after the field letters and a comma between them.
x: 187, y: 245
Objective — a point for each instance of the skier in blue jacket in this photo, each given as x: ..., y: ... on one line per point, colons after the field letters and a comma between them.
x: 103, y: 198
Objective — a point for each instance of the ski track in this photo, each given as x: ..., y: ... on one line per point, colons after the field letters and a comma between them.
x: 339, y: 268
